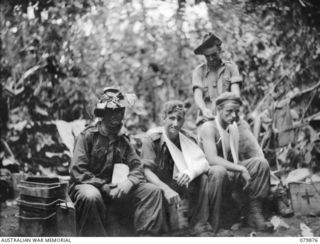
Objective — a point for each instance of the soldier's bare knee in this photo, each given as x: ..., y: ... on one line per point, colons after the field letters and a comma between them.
x: 90, y: 194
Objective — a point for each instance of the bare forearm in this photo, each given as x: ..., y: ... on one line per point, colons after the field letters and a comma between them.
x: 216, y: 160
x: 198, y: 98
x: 207, y: 136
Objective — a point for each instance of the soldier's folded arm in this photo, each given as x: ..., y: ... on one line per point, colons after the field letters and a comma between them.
x: 170, y: 195
x: 80, y: 166
x: 207, y: 135
x: 148, y: 156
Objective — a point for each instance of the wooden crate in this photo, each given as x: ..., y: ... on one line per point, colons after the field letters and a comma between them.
x: 305, y: 197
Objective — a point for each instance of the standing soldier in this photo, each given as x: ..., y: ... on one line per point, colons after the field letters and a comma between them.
x: 211, y: 79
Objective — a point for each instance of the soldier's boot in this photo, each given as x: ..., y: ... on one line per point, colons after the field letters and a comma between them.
x: 255, y: 218
x: 284, y: 208
x: 284, y: 203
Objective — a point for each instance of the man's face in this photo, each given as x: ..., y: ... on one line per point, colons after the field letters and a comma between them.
x: 173, y: 124
x: 212, y: 58
x: 212, y: 55
x: 113, y: 118
x: 230, y: 112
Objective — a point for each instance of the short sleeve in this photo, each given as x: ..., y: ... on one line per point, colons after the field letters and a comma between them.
x: 197, y: 81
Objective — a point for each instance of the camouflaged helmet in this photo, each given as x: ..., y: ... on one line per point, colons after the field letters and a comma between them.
x: 111, y: 99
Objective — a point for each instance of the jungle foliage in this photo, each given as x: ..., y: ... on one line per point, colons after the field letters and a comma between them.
x: 57, y: 55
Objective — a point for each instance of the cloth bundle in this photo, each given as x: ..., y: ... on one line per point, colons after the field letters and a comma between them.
x: 190, y: 159
x: 233, y: 140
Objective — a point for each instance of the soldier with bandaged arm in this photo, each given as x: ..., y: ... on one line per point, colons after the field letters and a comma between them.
x: 174, y: 162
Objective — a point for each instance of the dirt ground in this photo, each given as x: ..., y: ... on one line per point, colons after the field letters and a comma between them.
x: 9, y: 225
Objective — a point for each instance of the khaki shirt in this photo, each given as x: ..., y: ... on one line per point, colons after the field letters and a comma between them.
x: 214, y: 83
x: 156, y: 156
x: 95, y: 154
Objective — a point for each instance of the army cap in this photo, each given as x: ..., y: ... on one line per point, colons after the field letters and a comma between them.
x: 228, y: 97
x: 210, y: 41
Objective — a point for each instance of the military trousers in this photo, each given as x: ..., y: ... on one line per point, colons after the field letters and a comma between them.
x: 145, y: 200
x: 205, y: 194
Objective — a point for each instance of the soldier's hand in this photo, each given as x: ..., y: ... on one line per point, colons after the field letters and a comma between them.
x: 171, y: 196
x: 182, y: 179
x: 122, y: 189
x: 106, y: 189
x: 207, y: 113
x: 246, y: 177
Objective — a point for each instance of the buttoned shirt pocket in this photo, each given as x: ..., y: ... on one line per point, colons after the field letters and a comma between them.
x: 223, y: 83
x: 98, y: 158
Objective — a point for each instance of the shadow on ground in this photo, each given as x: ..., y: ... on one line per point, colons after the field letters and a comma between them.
x: 9, y: 226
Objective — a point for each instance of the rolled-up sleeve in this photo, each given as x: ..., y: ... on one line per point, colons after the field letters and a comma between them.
x: 80, y: 165
x: 148, y: 154
x: 134, y: 162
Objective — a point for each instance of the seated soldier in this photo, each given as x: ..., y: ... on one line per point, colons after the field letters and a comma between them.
x: 96, y: 151
x: 248, y: 176
x: 174, y: 162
